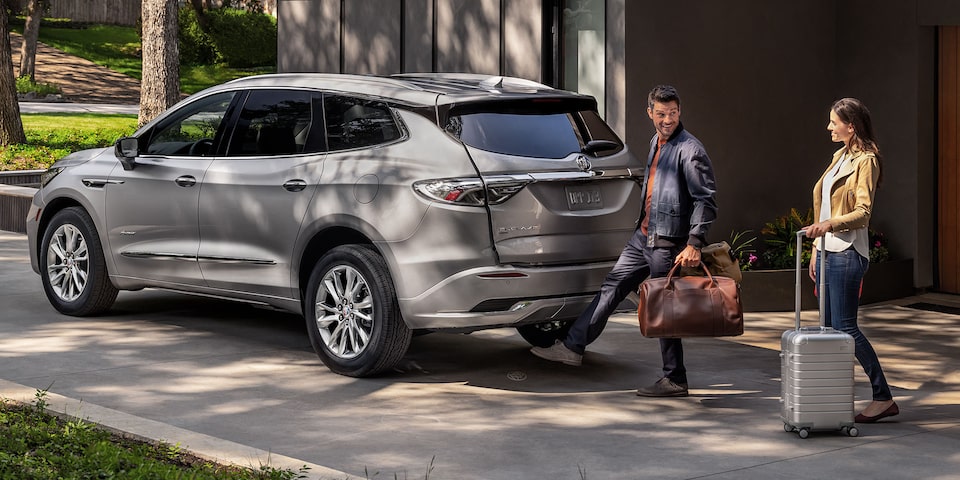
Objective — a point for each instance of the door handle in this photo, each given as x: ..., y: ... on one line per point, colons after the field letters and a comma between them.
x: 294, y: 185
x: 186, y: 181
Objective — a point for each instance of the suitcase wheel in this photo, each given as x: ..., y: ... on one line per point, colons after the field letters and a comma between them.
x: 787, y: 428
x: 803, y: 432
x: 851, y: 431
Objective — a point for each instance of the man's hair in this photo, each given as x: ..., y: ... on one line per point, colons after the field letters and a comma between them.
x: 662, y: 94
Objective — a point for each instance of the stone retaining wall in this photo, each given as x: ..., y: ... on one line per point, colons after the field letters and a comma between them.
x: 14, y: 205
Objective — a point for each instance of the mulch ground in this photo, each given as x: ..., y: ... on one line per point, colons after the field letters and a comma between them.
x: 81, y: 80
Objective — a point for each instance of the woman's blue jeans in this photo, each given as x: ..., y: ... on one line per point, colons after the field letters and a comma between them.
x: 844, y: 275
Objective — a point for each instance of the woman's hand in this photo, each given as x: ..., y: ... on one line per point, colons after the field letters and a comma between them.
x: 818, y: 229
x: 813, y: 265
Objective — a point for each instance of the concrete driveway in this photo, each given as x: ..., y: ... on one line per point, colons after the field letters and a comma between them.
x: 240, y: 383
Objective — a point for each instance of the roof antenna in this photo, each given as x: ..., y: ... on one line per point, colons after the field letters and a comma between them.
x: 492, y: 82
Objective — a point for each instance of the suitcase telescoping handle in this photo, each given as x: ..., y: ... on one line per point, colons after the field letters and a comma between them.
x: 823, y: 280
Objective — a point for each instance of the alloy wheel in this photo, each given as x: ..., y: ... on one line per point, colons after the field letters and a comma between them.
x: 67, y: 262
x: 344, y: 311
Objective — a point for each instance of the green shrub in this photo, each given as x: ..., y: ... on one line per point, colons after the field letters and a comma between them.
x: 24, y: 85
x: 196, y: 47
x: 781, y: 240
x: 242, y: 38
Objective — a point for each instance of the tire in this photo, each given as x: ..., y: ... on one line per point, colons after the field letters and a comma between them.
x: 545, y: 334
x: 72, y: 266
x: 356, y: 334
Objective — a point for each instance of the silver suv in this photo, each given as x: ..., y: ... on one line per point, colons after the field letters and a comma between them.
x: 374, y: 206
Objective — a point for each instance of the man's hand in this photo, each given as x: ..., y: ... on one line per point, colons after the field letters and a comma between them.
x: 689, y: 257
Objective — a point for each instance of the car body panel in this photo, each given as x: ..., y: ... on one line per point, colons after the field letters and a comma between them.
x: 248, y: 220
x: 151, y: 219
x: 540, y: 254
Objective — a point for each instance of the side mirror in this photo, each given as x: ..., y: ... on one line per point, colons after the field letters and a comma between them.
x: 127, y: 149
x: 594, y: 146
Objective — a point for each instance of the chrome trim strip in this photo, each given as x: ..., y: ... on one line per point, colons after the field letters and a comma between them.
x: 100, y: 182
x: 195, y: 258
x: 252, y: 261
x: 160, y: 256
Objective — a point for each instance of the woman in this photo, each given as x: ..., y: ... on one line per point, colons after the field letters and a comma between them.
x: 842, y: 203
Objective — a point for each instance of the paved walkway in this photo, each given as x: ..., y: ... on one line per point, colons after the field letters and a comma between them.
x: 81, y: 80
x: 239, y: 383
x: 53, y: 107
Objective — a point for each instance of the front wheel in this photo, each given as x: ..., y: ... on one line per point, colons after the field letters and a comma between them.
x: 72, y: 265
x: 352, y: 314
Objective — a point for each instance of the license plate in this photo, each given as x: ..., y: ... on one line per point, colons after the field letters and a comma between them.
x: 584, y: 198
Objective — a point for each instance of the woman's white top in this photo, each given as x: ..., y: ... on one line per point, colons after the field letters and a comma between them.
x: 840, y: 241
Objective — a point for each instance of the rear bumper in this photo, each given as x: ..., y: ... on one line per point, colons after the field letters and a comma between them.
x: 485, y: 297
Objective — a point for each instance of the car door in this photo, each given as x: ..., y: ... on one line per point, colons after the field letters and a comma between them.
x: 254, y: 197
x: 151, y: 210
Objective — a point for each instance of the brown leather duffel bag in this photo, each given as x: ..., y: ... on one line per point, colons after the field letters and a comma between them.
x: 691, y: 306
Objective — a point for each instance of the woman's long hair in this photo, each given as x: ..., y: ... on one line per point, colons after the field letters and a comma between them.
x: 854, y: 112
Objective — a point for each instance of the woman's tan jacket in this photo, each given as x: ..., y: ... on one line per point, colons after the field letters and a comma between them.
x: 851, y: 195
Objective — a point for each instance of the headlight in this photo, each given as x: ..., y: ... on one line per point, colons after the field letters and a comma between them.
x: 51, y: 172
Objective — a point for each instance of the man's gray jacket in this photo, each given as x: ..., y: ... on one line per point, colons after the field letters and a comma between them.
x: 683, y: 205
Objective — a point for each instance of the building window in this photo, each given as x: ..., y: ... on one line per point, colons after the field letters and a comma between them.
x: 584, y: 42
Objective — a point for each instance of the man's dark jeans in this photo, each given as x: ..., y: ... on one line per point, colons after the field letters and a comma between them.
x: 636, y: 262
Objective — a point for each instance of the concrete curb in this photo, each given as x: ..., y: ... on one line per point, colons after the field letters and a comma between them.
x: 141, y: 429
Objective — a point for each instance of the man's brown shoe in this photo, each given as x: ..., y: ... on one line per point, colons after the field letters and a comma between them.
x: 558, y: 352
x: 664, y: 388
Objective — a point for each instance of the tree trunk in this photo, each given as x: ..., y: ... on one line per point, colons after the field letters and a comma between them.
x: 11, y: 128
x: 31, y: 31
x: 160, y: 85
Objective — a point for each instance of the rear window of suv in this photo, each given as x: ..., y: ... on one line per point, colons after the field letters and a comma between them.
x: 541, y: 129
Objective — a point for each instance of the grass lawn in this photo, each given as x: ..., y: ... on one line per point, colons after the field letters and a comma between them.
x: 51, y: 136
x: 118, y: 48
x: 37, y: 445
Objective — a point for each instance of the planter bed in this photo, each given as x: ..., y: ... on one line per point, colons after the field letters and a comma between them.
x: 773, y: 290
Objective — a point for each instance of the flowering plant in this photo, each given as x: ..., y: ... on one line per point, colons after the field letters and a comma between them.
x: 878, y: 247
x: 742, y: 249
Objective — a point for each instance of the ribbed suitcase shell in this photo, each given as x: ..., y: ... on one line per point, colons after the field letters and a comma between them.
x: 816, y: 371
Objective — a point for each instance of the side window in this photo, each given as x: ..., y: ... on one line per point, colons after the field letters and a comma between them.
x: 191, y: 130
x: 277, y: 122
x: 356, y: 123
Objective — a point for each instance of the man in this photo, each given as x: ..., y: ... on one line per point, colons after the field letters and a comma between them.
x: 679, y: 207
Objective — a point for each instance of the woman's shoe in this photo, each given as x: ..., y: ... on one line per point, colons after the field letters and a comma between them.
x: 892, y: 410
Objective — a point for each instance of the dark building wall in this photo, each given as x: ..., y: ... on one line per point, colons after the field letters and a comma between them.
x: 308, y: 34
x: 888, y: 61
x: 371, y: 36
x: 756, y: 76
x: 757, y: 79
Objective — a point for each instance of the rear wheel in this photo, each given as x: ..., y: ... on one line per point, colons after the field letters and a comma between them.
x: 72, y: 266
x: 352, y: 314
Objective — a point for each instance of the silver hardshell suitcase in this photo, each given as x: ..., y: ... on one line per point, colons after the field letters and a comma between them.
x: 816, y: 368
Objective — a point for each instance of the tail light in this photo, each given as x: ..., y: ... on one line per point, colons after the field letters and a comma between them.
x: 470, y: 191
